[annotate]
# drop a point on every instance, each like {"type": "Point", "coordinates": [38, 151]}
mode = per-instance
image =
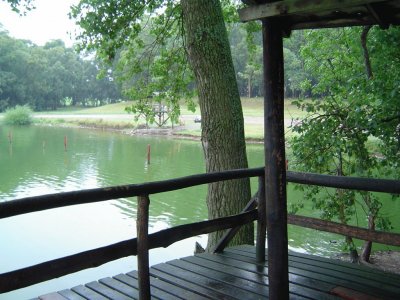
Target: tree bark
{"type": "Point", "coordinates": [221, 112]}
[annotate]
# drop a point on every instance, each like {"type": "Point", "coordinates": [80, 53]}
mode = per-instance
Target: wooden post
{"type": "Point", "coordinates": [148, 153]}
{"type": "Point", "coordinates": [143, 247]}
{"type": "Point", "coordinates": [65, 143]}
{"type": "Point", "coordinates": [10, 137]}
{"type": "Point", "coordinates": [261, 221]}
{"type": "Point", "coordinates": [275, 169]}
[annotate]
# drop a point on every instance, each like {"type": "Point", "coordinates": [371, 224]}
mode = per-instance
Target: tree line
{"type": "Point", "coordinates": [50, 76]}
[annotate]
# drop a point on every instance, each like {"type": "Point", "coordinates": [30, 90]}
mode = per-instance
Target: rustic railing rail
{"type": "Point", "coordinates": [51, 269]}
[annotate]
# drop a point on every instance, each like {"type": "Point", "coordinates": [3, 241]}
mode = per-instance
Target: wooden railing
{"type": "Point", "coordinates": [254, 210]}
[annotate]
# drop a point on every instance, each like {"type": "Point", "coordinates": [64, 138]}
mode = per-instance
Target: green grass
{"type": "Point", "coordinates": [115, 108]}
{"type": "Point", "coordinates": [252, 107]}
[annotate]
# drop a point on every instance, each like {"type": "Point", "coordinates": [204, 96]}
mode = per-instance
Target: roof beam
{"type": "Point", "coordinates": [376, 16]}
{"type": "Point", "coordinates": [291, 7]}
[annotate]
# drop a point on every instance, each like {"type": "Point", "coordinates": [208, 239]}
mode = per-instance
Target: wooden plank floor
{"type": "Point", "coordinates": [234, 274]}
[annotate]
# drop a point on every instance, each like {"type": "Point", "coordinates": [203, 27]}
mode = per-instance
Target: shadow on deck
{"type": "Point", "coordinates": [235, 274]}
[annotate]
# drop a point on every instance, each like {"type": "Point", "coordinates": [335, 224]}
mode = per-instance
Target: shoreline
{"type": "Point", "coordinates": [176, 132]}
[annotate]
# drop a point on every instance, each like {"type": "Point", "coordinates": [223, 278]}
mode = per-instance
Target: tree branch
{"type": "Point", "coordinates": [367, 60]}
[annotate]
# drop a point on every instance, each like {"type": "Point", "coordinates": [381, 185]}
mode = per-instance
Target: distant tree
{"type": "Point", "coordinates": [43, 76]}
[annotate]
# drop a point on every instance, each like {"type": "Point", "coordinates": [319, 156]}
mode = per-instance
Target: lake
{"type": "Point", "coordinates": [36, 162]}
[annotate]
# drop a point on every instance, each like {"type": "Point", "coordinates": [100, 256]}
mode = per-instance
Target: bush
{"type": "Point", "coordinates": [19, 115]}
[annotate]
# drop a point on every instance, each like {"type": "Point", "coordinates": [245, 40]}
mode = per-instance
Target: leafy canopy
{"type": "Point", "coordinates": [353, 122]}
{"type": "Point", "coordinates": [145, 39]}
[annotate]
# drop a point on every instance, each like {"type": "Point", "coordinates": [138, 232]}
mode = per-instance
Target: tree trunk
{"type": "Point", "coordinates": [366, 252]}
{"type": "Point", "coordinates": [342, 216]}
{"type": "Point", "coordinates": [222, 133]}
{"type": "Point", "coordinates": [372, 214]}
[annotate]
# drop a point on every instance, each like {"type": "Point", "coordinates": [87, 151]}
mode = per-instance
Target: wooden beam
{"type": "Point", "coordinates": [292, 7]}
{"type": "Point", "coordinates": [344, 182]}
{"type": "Point", "coordinates": [275, 162]}
{"type": "Point", "coordinates": [230, 233]}
{"type": "Point", "coordinates": [375, 15]}
{"type": "Point", "coordinates": [381, 237]}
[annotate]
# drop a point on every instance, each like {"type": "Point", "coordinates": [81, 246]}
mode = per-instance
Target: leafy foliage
{"type": "Point", "coordinates": [19, 115]}
{"type": "Point", "coordinates": [43, 77]}
{"type": "Point", "coordinates": [21, 6]}
{"type": "Point", "coordinates": [146, 41]}
{"type": "Point", "coordinates": [348, 111]}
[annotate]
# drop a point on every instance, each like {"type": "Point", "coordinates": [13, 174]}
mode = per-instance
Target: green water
{"type": "Point", "coordinates": [36, 162]}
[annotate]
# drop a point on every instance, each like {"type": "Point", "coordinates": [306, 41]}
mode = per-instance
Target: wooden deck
{"type": "Point", "coordinates": [234, 274]}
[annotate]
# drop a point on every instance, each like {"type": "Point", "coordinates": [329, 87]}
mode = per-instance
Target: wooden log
{"type": "Point", "coordinates": [93, 258]}
{"type": "Point", "coordinates": [275, 169]}
{"type": "Point", "coordinates": [381, 237]}
{"type": "Point", "coordinates": [143, 247]}
{"type": "Point", "coordinates": [161, 239]}
{"type": "Point", "coordinates": [39, 203]}
{"type": "Point", "coordinates": [261, 221]}
{"type": "Point", "coordinates": [344, 182]}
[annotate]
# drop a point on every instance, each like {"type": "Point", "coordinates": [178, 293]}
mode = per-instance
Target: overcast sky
{"type": "Point", "coordinates": [48, 21]}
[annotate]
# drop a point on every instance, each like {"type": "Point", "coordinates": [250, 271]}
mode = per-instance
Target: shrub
{"type": "Point", "coordinates": [19, 115]}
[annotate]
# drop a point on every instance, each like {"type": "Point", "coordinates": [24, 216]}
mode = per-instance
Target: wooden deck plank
{"type": "Point", "coordinates": [336, 278]}
{"type": "Point", "coordinates": [121, 287]}
{"type": "Point", "coordinates": [359, 271]}
{"type": "Point", "coordinates": [233, 283]}
{"type": "Point", "coordinates": [87, 293]}
{"type": "Point", "coordinates": [299, 287]}
{"type": "Point", "coordinates": [219, 289]}
{"type": "Point", "coordinates": [71, 295]}
{"type": "Point", "coordinates": [132, 279]}
{"type": "Point", "coordinates": [245, 280]}
{"type": "Point", "coordinates": [52, 296]}
{"type": "Point", "coordinates": [106, 291]}
{"type": "Point", "coordinates": [376, 285]}
{"type": "Point", "coordinates": [356, 269]}
{"type": "Point", "coordinates": [173, 291]}
{"type": "Point", "coordinates": [189, 286]}
{"type": "Point", "coordinates": [353, 272]}
{"type": "Point", "coordinates": [299, 277]}
{"type": "Point", "coordinates": [235, 274]}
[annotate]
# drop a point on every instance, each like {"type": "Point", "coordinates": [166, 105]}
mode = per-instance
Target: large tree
{"type": "Point", "coordinates": [155, 63]}
{"type": "Point", "coordinates": [221, 112]}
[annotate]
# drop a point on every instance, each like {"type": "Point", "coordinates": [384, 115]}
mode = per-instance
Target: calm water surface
{"type": "Point", "coordinates": [35, 163]}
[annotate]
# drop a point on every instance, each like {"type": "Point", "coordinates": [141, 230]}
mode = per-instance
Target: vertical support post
{"type": "Point", "coordinates": [275, 169]}
{"type": "Point", "coordinates": [148, 154]}
{"type": "Point", "coordinates": [262, 221]}
{"type": "Point", "coordinates": [143, 247]}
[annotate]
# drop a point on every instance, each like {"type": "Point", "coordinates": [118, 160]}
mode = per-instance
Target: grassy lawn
{"type": "Point", "coordinates": [252, 108]}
